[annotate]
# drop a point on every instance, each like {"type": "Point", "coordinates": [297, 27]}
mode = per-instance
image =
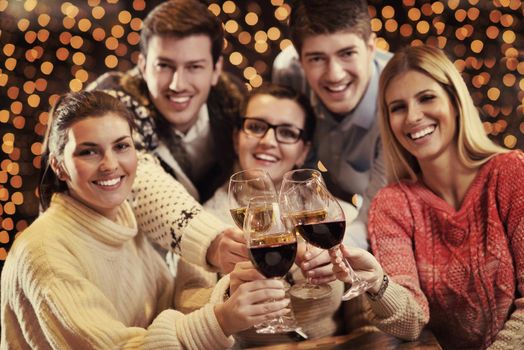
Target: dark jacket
{"type": "Point", "coordinates": [223, 103]}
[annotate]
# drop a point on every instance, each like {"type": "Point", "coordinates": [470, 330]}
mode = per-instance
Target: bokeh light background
{"type": "Point", "coordinates": [48, 47]}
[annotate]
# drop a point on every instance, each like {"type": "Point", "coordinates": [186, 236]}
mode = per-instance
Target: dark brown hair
{"type": "Point", "coordinates": [180, 19]}
{"type": "Point", "coordinates": [316, 17]}
{"type": "Point", "coordinates": [283, 91]}
{"type": "Point", "coordinates": [68, 110]}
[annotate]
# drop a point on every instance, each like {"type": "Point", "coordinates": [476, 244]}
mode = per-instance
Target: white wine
{"type": "Point", "coordinates": [238, 215]}
{"type": "Point", "coordinates": [307, 216]}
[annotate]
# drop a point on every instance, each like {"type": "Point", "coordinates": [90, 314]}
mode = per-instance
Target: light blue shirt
{"type": "Point", "coordinates": [350, 147]}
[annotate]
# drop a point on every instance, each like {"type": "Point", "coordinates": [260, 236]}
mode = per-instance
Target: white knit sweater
{"type": "Point", "coordinates": [75, 279]}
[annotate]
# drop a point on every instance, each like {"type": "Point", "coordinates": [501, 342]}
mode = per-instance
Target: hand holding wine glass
{"type": "Point", "coordinates": [244, 185]}
{"type": "Point", "coordinates": [272, 249]}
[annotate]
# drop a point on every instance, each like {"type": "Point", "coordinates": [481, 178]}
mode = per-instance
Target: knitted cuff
{"type": "Point", "coordinates": [197, 237]}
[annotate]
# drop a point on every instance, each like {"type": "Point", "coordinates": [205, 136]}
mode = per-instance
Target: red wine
{"type": "Point", "coordinates": [274, 256]}
{"type": "Point", "coordinates": [324, 235]}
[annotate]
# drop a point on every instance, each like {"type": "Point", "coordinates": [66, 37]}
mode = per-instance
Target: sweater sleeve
{"type": "Point", "coordinates": [169, 216]}
{"type": "Point", "coordinates": [510, 193]}
{"type": "Point", "coordinates": [193, 286]}
{"type": "Point", "coordinates": [404, 310]}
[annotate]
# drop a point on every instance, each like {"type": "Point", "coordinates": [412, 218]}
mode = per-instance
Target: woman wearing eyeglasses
{"type": "Point", "coordinates": [274, 134]}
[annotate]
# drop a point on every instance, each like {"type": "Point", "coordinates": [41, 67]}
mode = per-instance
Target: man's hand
{"type": "Point", "coordinates": [228, 248]}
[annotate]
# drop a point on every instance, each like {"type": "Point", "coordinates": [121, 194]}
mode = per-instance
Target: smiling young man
{"type": "Point", "coordinates": [185, 108]}
{"type": "Point", "coordinates": [334, 60]}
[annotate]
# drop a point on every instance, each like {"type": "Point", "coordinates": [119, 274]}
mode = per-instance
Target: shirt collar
{"type": "Point", "coordinates": [201, 127]}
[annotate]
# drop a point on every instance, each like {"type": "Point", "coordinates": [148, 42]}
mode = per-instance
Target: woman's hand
{"type": "Point", "coordinates": [363, 263]}
{"type": "Point", "coordinates": [254, 299]}
{"type": "Point", "coordinates": [316, 264]}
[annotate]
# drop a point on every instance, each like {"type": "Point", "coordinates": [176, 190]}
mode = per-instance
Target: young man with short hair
{"type": "Point", "coordinates": [185, 108]}
{"type": "Point", "coordinates": [335, 61]}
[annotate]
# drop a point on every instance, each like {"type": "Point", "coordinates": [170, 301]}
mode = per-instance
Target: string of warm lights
{"type": "Point", "coordinates": [48, 47]}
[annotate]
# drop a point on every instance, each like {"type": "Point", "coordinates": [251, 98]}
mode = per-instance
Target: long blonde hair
{"type": "Point", "coordinates": [474, 146]}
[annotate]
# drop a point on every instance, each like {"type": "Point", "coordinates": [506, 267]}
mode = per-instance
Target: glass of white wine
{"type": "Point", "coordinates": [243, 186]}
{"type": "Point", "coordinates": [272, 250]}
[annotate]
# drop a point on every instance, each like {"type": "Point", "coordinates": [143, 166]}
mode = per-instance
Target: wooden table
{"type": "Point", "coordinates": [361, 341]}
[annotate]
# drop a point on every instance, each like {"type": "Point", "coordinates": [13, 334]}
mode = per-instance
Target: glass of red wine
{"type": "Point", "coordinates": [318, 218]}
{"type": "Point", "coordinates": [272, 249]}
{"type": "Point", "coordinates": [244, 185]}
{"type": "Point", "coordinates": [299, 207]}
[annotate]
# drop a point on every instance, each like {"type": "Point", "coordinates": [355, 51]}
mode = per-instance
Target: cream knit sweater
{"type": "Point", "coordinates": [75, 279]}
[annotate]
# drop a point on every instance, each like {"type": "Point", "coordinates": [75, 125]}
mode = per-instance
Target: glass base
{"type": "Point", "coordinates": [283, 324]}
{"type": "Point", "coordinates": [355, 290]}
{"type": "Point", "coordinates": [310, 291]}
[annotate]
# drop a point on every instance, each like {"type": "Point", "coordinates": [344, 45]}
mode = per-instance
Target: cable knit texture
{"type": "Point", "coordinates": [464, 268]}
{"type": "Point", "coordinates": [75, 279]}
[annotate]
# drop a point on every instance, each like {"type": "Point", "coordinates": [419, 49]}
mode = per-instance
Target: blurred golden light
{"type": "Point", "coordinates": [285, 43]}
{"type": "Point", "coordinates": [249, 73]}
{"type": "Point", "coordinates": [4, 236]}
{"type": "Point", "coordinates": [68, 22]}
{"type": "Point", "coordinates": [124, 17]}
{"type": "Point", "coordinates": [13, 168]}
{"type": "Point", "coordinates": [133, 38]}
{"type": "Point", "coordinates": [7, 224]}
{"type": "Point", "coordinates": [473, 13]}
{"type": "Point", "coordinates": [43, 19]}
{"type": "Point", "coordinates": [494, 16]}
{"type": "Point", "coordinates": [376, 24]}
{"type": "Point", "coordinates": [244, 38]}
{"type": "Point", "coordinates": [29, 87]}
{"type": "Point", "coordinates": [388, 11]}
{"type": "Point", "coordinates": [492, 32]}
{"type": "Point", "coordinates": [215, 8]}
{"type": "Point", "coordinates": [251, 18]}
{"type": "Point", "coordinates": [460, 15]}
{"type": "Point", "coordinates": [9, 49]}
{"type": "Point", "coordinates": [98, 12]}
{"type": "Point", "coordinates": [139, 5]}
{"type": "Point", "coordinates": [3, 79]}
{"type": "Point", "coordinates": [65, 38]}
{"type": "Point", "coordinates": [511, 52]}
{"type": "Point", "coordinates": [43, 35]}
{"type": "Point", "coordinates": [391, 25]}
{"type": "Point", "coordinates": [46, 67]}
{"type": "Point", "coordinates": [281, 13]}
{"type": "Point", "coordinates": [235, 58]}
{"type": "Point", "coordinates": [33, 100]}
{"type": "Point", "coordinates": [16, 107]}
{"type": "Point", "coordinates": [99, 34]}
{"type": "Point", "coordinates": [12, 92]}
{"type": "Point", "coordinates": [136, 24]}
{"type": "Point", "coordinates": [453, 4]}
{"type": "Point", "coordinates": [273, 33]}
{"type": "Point", "coordinates": [423, 27]}
{"type": "Point", "coordinates": [382, 44]}
{"type": "Point", "coordinates": [477, 46]}
{"type": "Point", "coordinates": [508, 36]}
{"type": "Point", "coordinates": [277, 2]}
{"type": "Point", "coordinates": [84, 24]}
{"type": "Point", "coordinates": [76, 42]}
{"type": "Point", "coordinates": [111, 61]}
{"type": "Point", "coordinates": [510, 141]}
{"type": "Point", "coordinates": [62, 54]}
{"type": "Point", "coordinates": [117, 31]}
{"type": "Point", "coordinates": [75, 85]}
{"type": "Point", "coordinates": [260, 36]}
{"type": "Point", "coordinates": [229, 7]}
{"type": "Point", "coordinates": [520, 67]}
{"type": "Point", "coordinates": [17, 198]}
{"type": "Point", "coordinates": [414, 14]}
{"type": "Point", "coordinates": [30, 37]}
{"type": "Point", "coordinates": [231, 26]}
{"type": "Point", "coordinates": [9, 208]}
{"type": "Point", "coordinates": [19, 123]}
{"type": "Point", "coordinates": [437, 7]}
{"type": "Point", "coordinates": [493, 93]}
{"type": "Point", "coordinates": [256, 81]}
{"type": "Point", "coordinates": [111, 43]}
{"type": "Point", "coordinates": [79, 58]}
{"type": "Point", "coordinates": [23, 24]}
{"type": "Point", "coordinates": [4, 116]}
{"type": "Point", "coordinates": [261, 46]}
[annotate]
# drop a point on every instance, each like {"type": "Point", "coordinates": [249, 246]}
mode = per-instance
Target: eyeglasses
{"type": "Point", "coordinates": [287, 134]}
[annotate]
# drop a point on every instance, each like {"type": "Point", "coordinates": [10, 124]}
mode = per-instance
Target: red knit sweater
{"type": "Point", "coordinates": [464, 267]}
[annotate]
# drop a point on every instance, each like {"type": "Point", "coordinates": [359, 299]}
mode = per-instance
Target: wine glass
{"type": "Point", "coordinates": [244, 185]}
{"type": "Point", "coordinates": [272, 250]}
{"type": "Point", "coordinates": [327, 230]}
{"type": "Point", "coordinates": [300, 206]}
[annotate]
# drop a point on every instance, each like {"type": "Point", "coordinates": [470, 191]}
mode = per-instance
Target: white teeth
{"type": "Point", "coordinates": [337, 88]}
{"type": "Point", "coordinates": [179, 99]}
{"type": "Point", "coordinates": [266, 157]}
{"type": "Point", "coordinates": [108, 182]}
{"type": "Point", "coordinates": [422, 132]}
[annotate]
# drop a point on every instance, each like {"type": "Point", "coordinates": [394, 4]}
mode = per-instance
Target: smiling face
{"type": "Point", "coordinates": [266, 153]}
{"type": "Point", "coordinates": [338, 68]}
{"type": "Point", "coordinates": [421, 116]}
{"type": "Point", "coordinates": [179, 73]}
{"type": "Point", "coordinates": [99, 163]}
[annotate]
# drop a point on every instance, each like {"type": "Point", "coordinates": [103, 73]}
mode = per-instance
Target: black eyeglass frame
{"type": "Point", "coordinates": [271, 126]}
